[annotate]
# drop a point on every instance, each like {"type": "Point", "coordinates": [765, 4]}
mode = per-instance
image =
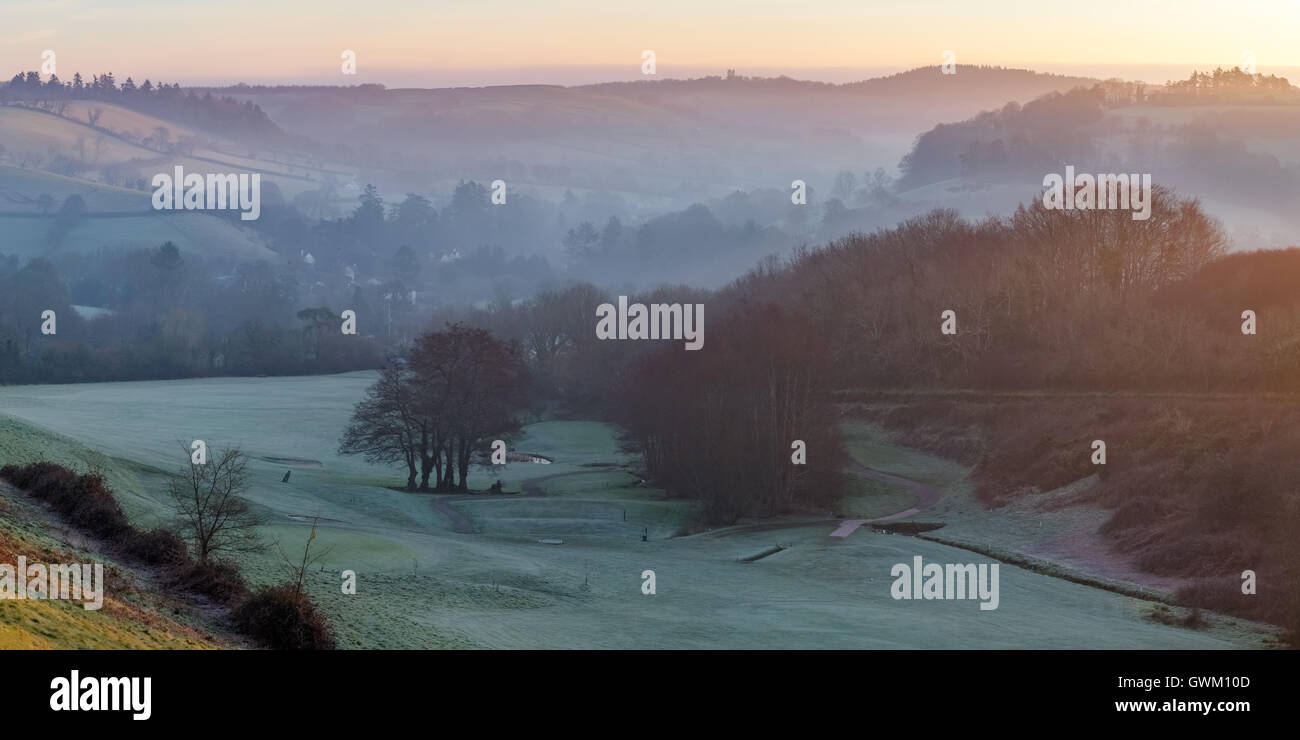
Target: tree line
{"type": "Point", "coordinates": [164, 313]}
{"type": "Point", "coordinates": [718, 427]}
{"type": "Point", "coordinates": [1043, 299]}
{"type": "Point", "coordinates": [747, 426]}
{"type": "Point", "coordinates": [164, 100]}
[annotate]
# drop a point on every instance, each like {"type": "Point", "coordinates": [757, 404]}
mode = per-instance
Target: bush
{"type": "Point", "coordinates": [81, 499]}
{"type": "Point", "coordinates": [283, 619]}
{"type": "Point", "coordinates": [215, 579]}
{"type": "Point", "coordinates": [92, 507]}
{"type": "Point", "coordinates": [158, 546]}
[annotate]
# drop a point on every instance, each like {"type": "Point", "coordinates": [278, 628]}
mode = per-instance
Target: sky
{"type": "Point", "coordinates": [434, 43]}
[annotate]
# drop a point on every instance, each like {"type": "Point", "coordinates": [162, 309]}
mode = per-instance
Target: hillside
{"type": "Point", "coordinates": [645, 137]}
{"type": "Point", "coordinates": [46, 158]}
{"type": "Point", "coordinates": [21, 188]}
{"type": "Point", "coordinates": [137, 613]}
{"type": "Point", "coordinates": [125, 147]}
{"type": "Point", "coordinates": [1236, 153]}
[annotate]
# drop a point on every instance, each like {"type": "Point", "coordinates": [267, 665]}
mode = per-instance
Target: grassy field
{"type": "Point", "coordinates": [35, 131]}
{"type": "Point", "coordinates": [33, 138]}
{"type": "Point", "coordinates": [423, 584]}
{"type": "Point", "coordinates": [104, 226]}
{"type": "Point", "coordinates": [192, 233]}
{"type": "Point", "coordinates": [19, 188]}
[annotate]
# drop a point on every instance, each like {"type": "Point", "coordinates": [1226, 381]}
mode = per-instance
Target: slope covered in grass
{"type": "Point", "coordinates": [1194, 490]}
{"type": "Point", "coordinates": [136, 613]}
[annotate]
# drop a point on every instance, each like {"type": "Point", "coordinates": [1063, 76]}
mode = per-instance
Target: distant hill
{"type": "Point", "coordinates": [115, 218]}
{"type": "Point", "coordinates": [126, 148]}
{"type": "Point", "coordinates": [652, 137]}
{"type": "Point", "coordinates": [48, 155]}
{"type": "Point", "coordinates": [915, 100]}
{"type": "Point", "coordinates": [1227, 137]}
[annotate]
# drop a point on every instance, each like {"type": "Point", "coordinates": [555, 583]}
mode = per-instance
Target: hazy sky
{"type": "Point", "coordinates": [441, 42]}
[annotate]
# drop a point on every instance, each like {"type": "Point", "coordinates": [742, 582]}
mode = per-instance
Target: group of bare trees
{"type": "Point", "coordinates": [437, 408]}
{"type": "Point", "coordinates": [746, 427]}
{"type": "Point", "coordinates": [1044, 298]}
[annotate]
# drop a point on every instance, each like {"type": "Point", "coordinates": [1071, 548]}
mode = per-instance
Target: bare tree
{"type": "Point", "coordinates": [213, 515]}
{"type": "Point", "coordinates": [386, 427]}
{"type": "Point", "coordinates": [299, 569]}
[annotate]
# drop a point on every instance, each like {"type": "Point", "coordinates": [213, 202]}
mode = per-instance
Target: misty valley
{"type": "Point", "coordinates": [353, 362]}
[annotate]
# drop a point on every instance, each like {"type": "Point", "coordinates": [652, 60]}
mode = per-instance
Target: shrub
{"type": "Point", "coordinates": [158, 546]}
{"type": "Point", "coordinates": [92, 507]}
{"type": "Point", "coordinates": [81, 499]}
{"type": "Point", "coordinates": [283, 619]}
{"type": "Point", "coordinates": [215, 579]}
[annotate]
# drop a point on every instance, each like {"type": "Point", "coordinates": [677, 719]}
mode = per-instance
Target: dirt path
{"type": "Point", "coordinates": [926, 496]}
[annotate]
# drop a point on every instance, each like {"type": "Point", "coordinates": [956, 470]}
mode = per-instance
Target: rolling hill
{"type": "Point", "coordinates": [647, 137]}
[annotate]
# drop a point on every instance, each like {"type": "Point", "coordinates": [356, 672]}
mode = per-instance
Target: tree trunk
{"type": "Point", "coordinates": [448, 471]}
{"type": "Point", "coordinates": [425, 464]}
{"type": "Point", "coordinates": [463, 464]}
